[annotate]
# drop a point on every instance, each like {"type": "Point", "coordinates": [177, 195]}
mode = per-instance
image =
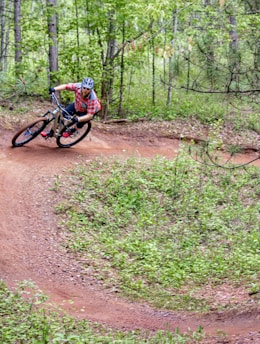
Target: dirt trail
{"type": "Point", "coordinates": [29, 246]}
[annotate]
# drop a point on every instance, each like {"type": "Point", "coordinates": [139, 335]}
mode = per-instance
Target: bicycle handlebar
{"type": "Point", "coordinates": [54, 99]}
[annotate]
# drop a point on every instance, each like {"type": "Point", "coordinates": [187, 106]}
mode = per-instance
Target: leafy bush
{"type": "Point", "coordinates": [205, 108]}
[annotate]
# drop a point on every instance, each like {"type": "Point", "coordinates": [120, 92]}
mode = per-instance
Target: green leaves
{"type": "Point", "coordinates": [159, 225]}
{"type": "Point", "coordinates": [23, 321]}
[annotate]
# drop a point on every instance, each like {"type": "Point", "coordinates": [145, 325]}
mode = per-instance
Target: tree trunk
{"type": "Point", "coordinates": [53, 45]}
{"type": "Point", "coordinates": [233, 52]}
{"type": "Point", "coordinates": [17, 37]}
{"type": "Point", "coordinates": [153, 72]}
{"type": "Point", "coordinates": [233, 34]}
{"type": "Point", "coordinates": [121, 90]}
{"type": "Point", "coordinates": [252, 7]}
{"type": "Point", "coordinates": [77, 35]}
{"type": "Point", "coordinates": [209, 54]}
{"type": "Point", "coordinates": [108, 68]}
{"type": "Point", "coordinates": [2, 42]}
{"type": "Point", "coordinates": [171, 59]}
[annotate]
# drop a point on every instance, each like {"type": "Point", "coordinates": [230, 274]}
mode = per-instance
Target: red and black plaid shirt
{"type": "Point", "coordinates": [90, 105]}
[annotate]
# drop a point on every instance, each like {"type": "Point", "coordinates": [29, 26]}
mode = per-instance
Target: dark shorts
{"type": "Point", "coordinates": [72, 111]}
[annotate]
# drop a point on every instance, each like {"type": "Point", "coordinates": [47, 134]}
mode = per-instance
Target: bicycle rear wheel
{"type": "Point", "coordinates": [78, 135]}
{"type": "Point", "coordinates": [29, 132]}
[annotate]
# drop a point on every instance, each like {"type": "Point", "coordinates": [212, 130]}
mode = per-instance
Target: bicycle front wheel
{"type": "Point", "coordinates": [76, 135]}
{"type": "Point", "coordinates": [29, 132]}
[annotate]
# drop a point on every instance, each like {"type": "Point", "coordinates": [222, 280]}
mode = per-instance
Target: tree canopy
{"type": "Point", "coordinates": [204, 46]}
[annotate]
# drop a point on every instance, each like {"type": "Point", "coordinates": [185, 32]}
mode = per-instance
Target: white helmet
{"type": "Point", "coordinates": [88, 83]}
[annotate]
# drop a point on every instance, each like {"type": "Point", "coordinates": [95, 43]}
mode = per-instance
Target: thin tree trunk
{"type": "Point", "coordinates": [108, 69]}
{"type": "Point", "coordinates": [233, 34]}
{"type": "Point", "coordinates": [121, 75]}
{"type": "Point", "coordinates": [233, 52]}
{"type": "Point", "coordinates": [53, 45]}
{"type": "Point", "coordinates": [77, 35]}
{"type": "Point", "coordinates": [209, 54]}
{"type": "Point", "coordinates": [153, 73]}
{"type": "Point", "coordinates": [131, 72]}
{"type": "Point", "coordinates": [7, 37]}
{"type": "Point", "coordinates": [2, 42]}
{"type": "Point", "coordinates": [17, 36]}
{"type": "Point", "coordinates": [171, 59]}
{"type": "Point", "coordinates": [188, 73]}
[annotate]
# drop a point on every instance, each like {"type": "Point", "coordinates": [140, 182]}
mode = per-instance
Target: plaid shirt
{"type": "Point", "coordinates": [90, 106]}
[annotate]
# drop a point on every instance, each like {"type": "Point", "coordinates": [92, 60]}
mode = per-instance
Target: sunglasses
{"type": "Point", "coordinates": [85, 88]}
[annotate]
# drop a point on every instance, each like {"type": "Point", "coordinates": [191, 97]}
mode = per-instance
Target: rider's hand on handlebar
{"type": "Point", "coordinates": [70, 121]}
{"type": "Point", "coordinates": [51, 90]}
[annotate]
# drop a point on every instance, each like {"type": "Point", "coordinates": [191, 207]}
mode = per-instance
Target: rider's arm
{"type": "Point", "coordinates": [85, 118]}
{"type": "Point", "coordinates": [60, 87]}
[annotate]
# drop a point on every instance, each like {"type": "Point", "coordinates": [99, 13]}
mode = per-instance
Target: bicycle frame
{"type": "Point", "coordinates": [58, 121]}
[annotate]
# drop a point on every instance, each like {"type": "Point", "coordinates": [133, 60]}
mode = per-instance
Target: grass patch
{"type": "Point", "coordinates": [151, 227]}
{"type": "Point", "coordinates": [24, 318]}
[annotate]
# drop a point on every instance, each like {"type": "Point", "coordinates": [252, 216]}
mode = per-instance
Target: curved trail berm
{"type": "Point", "coordinates": [30, 236]}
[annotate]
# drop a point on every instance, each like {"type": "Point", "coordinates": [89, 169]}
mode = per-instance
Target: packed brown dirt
{"type": "Point", "coordinates": [30, 235]}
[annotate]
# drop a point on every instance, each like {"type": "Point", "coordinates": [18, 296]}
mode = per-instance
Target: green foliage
{"type": "Point", "coordinates": [16, 89]}
{"type": "Point", "coordinates": [249, 121]}
{"type": "Point", "coordinates": [196, 50]}
{"type": "Point", "coordinates": [207, 109]}
{"type": "Point", "coordinates": [149, 228]}
{"type": "Point", "coordinates": [26, 320]}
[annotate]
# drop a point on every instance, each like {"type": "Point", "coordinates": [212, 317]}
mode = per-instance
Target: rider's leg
{"type": "Point", "coordinates": [72, 129]}
{"type": "Point", "coordinates": [79, 125]}
{"type": "Point", "coordinates": [70, 109]}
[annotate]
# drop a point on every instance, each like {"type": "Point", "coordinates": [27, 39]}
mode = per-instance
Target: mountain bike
{"type": "Point", "coordinates": [58, 122]}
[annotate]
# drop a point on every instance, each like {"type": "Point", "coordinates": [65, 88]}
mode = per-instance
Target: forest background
{"type": "Point", "coordinates": [158, 60]}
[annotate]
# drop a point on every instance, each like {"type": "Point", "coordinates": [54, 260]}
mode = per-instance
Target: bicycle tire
{"type": "Point", "coordinates": [28, 132]}
{"type": "Point", "coordinates": [67, 142]}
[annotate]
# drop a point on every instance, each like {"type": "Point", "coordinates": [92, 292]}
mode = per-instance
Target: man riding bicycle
{"type": "Point", "coordinates": [85, 106]}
